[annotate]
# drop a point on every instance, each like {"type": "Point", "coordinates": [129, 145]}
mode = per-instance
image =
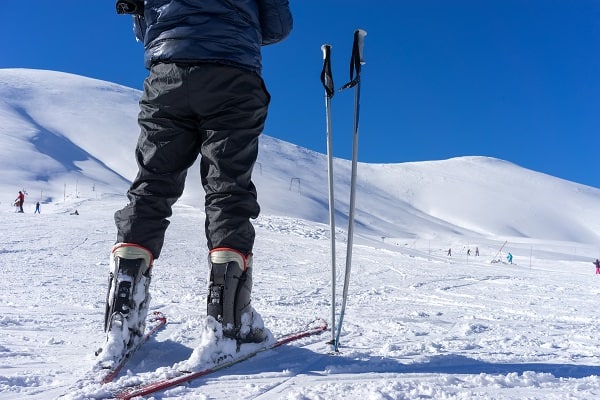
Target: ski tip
{"type": "Point", "coordinates": [157, 316]}
{"type": "Point", "coordinates": [319, 324]}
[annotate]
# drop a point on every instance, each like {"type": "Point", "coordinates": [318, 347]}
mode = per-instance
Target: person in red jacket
{"type": "Point", "coordinates": [19, 201]}
{"type": "Point", "coordinates": [597, 264]}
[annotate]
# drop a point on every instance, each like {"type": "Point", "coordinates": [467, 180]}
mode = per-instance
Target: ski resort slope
{"type": "Point", "coordinates": [419, 324]}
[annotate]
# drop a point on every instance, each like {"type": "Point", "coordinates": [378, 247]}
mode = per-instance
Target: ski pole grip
{"type": "Point", "coordinates": [356, 60]}
{"type": "Point", "coordinates": [359, 37]}
{"type": "Point", "coordinates": [326, 49]}
{"type": "Point", "coordinates": [326, 76]}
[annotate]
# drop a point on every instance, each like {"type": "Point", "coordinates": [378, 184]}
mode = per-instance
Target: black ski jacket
{"type": "Point", "coordinates": [221, 31]}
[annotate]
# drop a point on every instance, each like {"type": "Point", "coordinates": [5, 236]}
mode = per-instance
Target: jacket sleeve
{"type": "Point", "coordinates": [275, 20]}
{"type": "Point", "coordinates": [139, 27]}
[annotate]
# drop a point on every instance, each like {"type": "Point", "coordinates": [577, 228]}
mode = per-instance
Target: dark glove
{"type": "Point", "coordinates": [135, 7]}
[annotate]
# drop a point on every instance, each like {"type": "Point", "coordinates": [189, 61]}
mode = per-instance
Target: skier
{"type": "Point", "coordinates": [597, 264]}
{"type": "Point", "coordinates": [509, 258]}
{"type": "Point", "coordinates": [37, 208]}
{"type": "Point", "coordinates": [449, 252]}
{"type": "Point", "coordinates": [204, 96]}
{"type": "Point", "coordinates": [19, 201]}
{"type": "Point", "coordinates": [476, 251]}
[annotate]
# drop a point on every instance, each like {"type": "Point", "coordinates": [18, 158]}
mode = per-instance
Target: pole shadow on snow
{"type": "Point", "coordinates": [459, 365]}
{"type": "Point", "coordinates": [293, 361]}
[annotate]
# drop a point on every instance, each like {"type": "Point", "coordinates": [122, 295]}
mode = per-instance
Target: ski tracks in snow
{"type": "Point", "coordinates": [415, 327]}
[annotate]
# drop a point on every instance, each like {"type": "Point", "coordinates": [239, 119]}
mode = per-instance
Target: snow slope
{"type": "Point", "coordinates": [419, 324]}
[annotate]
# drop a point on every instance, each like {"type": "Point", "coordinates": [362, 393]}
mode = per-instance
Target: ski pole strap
{"type": "Point", "coordinates": [326, 76]}
{"type": "Point", "coordinates": [357, 58]}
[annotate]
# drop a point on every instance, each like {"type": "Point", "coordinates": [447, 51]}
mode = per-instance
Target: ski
{"type": "Point", "coordinates": [144, 389]}
{"type": "Point", "coordinates": [99, 374]}
{"type": "Point", "coordinates": [157, 320]}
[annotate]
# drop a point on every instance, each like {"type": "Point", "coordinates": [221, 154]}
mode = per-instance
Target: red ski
{"type": "Point", "coordinates": [315, 328]}
{"type": "Point", "coordinates": [98, 375]}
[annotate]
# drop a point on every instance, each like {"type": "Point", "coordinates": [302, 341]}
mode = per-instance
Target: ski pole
{"type": "Point", "coordinates": [327, 81]}
{"type": "Point", "coordinates": [356, 61]}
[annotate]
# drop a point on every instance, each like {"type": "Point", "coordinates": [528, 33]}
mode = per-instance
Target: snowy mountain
{"type": "Point", "coordinates": [63, 134]}
{"type": "Point", "coordinates": [419, 324]}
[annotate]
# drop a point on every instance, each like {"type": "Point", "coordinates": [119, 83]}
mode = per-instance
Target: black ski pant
{"type": "Point", "coordinates": [212, 110]}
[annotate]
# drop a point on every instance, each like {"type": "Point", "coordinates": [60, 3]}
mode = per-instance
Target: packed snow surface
{"type": "Point", "coordinates": [419, 324]}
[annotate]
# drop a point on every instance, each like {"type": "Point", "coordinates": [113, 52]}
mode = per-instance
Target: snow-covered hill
{"type": "Point", "coordinates": [419, 324]}
{"type": "Point", "coordinates": [66, 135]}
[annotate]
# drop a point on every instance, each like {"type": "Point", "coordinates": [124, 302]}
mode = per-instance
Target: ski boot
{"type": "Point", "coordinates": [127, 300]}
{"type": "Point", "coordinates": [230, 286]}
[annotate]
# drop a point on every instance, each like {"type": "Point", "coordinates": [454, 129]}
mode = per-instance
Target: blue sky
{"type": "Point", "coordinates": [512, 79]}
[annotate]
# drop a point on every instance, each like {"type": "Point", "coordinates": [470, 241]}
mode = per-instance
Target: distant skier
{"type": "Point", "coordinates": [37, 208]}
{"type": "Point", "coordinates": [19, 201]}
{"type": "Point", "coordinates": [468, 252]}
{"type": "Point", "coordinates": [509, 257]}
{"type": "Point", "coordinates": [476, 251]}
{"type": "Point", "coordinates": [450, 251]}
{"type": "Point", "coordinates": [597, 264]}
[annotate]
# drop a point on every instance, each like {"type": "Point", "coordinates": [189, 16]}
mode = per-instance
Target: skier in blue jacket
{"type": "Point", "coordinates": [204, 97]}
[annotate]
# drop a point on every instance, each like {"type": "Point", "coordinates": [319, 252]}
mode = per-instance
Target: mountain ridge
{"type": "Point", "coordinates": [67, 135]}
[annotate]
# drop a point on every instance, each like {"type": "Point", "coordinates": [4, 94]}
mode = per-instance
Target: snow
{"type": "Point", "coordinates": [418, 324]}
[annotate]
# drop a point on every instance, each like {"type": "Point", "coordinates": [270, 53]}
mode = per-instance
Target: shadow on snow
{"type": "Point", "coordinates": [296, 361]}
